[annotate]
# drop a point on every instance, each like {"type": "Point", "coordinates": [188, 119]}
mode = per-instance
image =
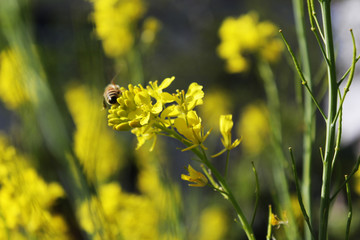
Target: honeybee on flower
{"type": "Point", "coordinates": [111, 93]}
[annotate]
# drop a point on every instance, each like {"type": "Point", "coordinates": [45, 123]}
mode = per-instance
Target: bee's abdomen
{"type": "Point", "coordinates": [112, 98]}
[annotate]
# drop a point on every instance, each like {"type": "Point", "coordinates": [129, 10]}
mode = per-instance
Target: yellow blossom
{"type": "Point", "coordinates": [147, 111]}
{"type": "Point", "coordinates": [136, 107]}
{"type": "Point", "coordinates": [93, 142]}
{"type": "Point", "coordinates": [277, 222]}
{"type": "Point", "coordinates": [26, 200]}
{"type": "Point", "coordinates": [150, 29]}
{"type": "Point", "coordinates": [197, 178]}
{"type": "Point", "coordinates": [246, 35]}
{"type": "Point", "coordinates": [219, 98]}
{"type": "Point", "coordinates": [115, 21]}
{"type": "Point", "coordinates": [213, 224]}
{"type": "Point", "coordinates": [190, 127]}
{"type": "Point", "coordinates": [127, 215]}
{"type": "Point", "coordinates": [11, 89]}
{"type": "Point", "coordinates": [254, 127]}
{"type": "Point", "coordinates": [226, 125]}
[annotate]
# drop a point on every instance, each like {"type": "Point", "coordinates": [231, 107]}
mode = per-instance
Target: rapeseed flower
{"type": "Point", "coordinates": [226, 125]}
{"type": "Point", "coordinates": [12, 91]}
{"type": "Point", "coordinates": [214, 224]}
{"type": "Point", "coordinates": [247, 35]}
{"type": "Point", "coordinates": [128, 216]}
{"type": "Point", "coordinates": [149, 111]}
{"type": "Point", "coordinates": [151, 27]}
{"type": "Point", "coordinates": [219, 98]}
{"type": "Point", "coordinates": [26, 200]}
{"type": "Point", "coordinates": [115, 22]}
{"type": "Point", "coordinates": [254, 127]}
{"type": "Point", "coordinates": [277, 222]}
{"type": "Point", "coordinates": [197, 178]}
{"type": "Point", "coordinates": [93, 142]}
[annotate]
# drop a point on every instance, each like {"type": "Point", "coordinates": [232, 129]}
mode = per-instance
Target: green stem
{"type": "Point", "coordinates": [303, 80]}
{"type": "Point", "coordinates": [309, 120]}
{"type": "Point", "coordinates": [348, 224]}
{"type": "Point", "coordinates": [225, 188]}
{"type": "Point", "coordinates": [227, 162]}
{"type": "Point", "coordinates": [330, 125]}
{"type": "Point", "coordinates": [245, 224]}
{"type": "Point", "coordinates": [300, 198]}
{"type": "Point", "coordinates": [268, 235]}
{"type": "Point", "coordinates": [257, 194]}
{"type": "Point", "coordinates": [281, 182]}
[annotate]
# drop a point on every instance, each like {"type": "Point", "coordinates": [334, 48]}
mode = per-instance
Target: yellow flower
{"type": "Point", "coordinates": [213, 224]}
{"type": "Point", "coordinates": [226, 125]}
{"type": "Point", "coordinates": [136, 107]}
{"type": "Point", "coordinates": [190, 127]}
{"type": "Point", "coordinates": [277, 222]}
{"type": "Point", "coordinates": [11, 89]}
{"type": "Point", "coordinates": [254, 127]}
{"type": "Point", "coordinates": [146, 111]}
{"type": "Point", "coordinates": [197, 178]}
{"type": "Point", "coordinates": [26, 200]}
{"type": "Point", "coordinates": [246, 35]}
{"type": "Point", "coordinates": [131, 216]}
{"type": "Point", "coordinates": [150, 29]}
{"type": "Point", "coordinates": [115, 21]}
{"type": "Point", "coordinates": [219, 98]}
{"type": "Point", "coordinates": [93, 141]}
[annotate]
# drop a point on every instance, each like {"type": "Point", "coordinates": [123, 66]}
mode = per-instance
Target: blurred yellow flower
{"type": "Point", "coordinates": [11, 89]}
{"type": "Point", "coordinates": [93, 141]}
{"type": "Point", "coordinates": [165, 195]}
{"type": "Point", "coordinates": [246, 35]}
{"type": "Point", "coordinates": [254, 127]}
{"type": "Point", "coordinates": [220, 99]}
{"type": "Point", "coordinates": [197, 178]}
{"type": "Point", "coordinates": [115, 22]}
{"type": "Point", "coordinates": [213, 224]}
{"type": "Point", "coordinates": [150, 29]}
{"type": "Point", "coordinates": [26, 200]}
{"type": "Point", "coordinates": [357, 182]}
{"type": "Point", "coordinates": [127, 215]}
{"type": "Point", "coordinates": [277, 222]}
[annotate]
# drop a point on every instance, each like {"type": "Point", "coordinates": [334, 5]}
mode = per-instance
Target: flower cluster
{"type": "Point", "coordinates": [131, 216]}
{"type": "Point", "coordinates": [246, 35]}
{"type": "Point", "coordinates": [98, 158]}
{"type": "Point", "coordinates": [148, 111]}
{"type": "Point", "coordinates": [114, 21]}
{"type": "Point", "coordinates": [26, 200]}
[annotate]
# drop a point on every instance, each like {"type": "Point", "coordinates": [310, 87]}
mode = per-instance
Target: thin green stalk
{"type": "Point", "coordinates": [226, 190]}
{"type": "Point", "coordinates": [354, 170]}
{"type": "Point", "coordinates": [257, 194]}
{"type": "Point", "coordinates": [309, 120]}
{"type": "Point", "coordinates": [351, 76]}
{"type": "Point", "coordinates": [330, 124]}
{"type": "Point", "coordinates": [302, 77]}
{"type": "Point", "coordinates": [313, 14]}
{"type": "Point", "coordinates": [281, 182]}
{"type": "Point", "coordinates": [347, 72]}
{"type": "Point", "coordinates": [268, 235]}
{"type": "Point", "coordinates": [349, 217]}
{"type": "Point", "coordinates": [245, 224]}
{"type": "Point", "coordinates": [227, 162]}
{"type": "Point", "coordinates": [300, 198]}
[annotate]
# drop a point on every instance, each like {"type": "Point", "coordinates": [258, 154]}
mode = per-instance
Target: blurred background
{"type": "Point", "coordinates": [58, 56]}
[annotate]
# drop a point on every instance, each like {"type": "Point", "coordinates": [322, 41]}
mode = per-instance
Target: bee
{"type": "Point", "coordinates": [111, 93]}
